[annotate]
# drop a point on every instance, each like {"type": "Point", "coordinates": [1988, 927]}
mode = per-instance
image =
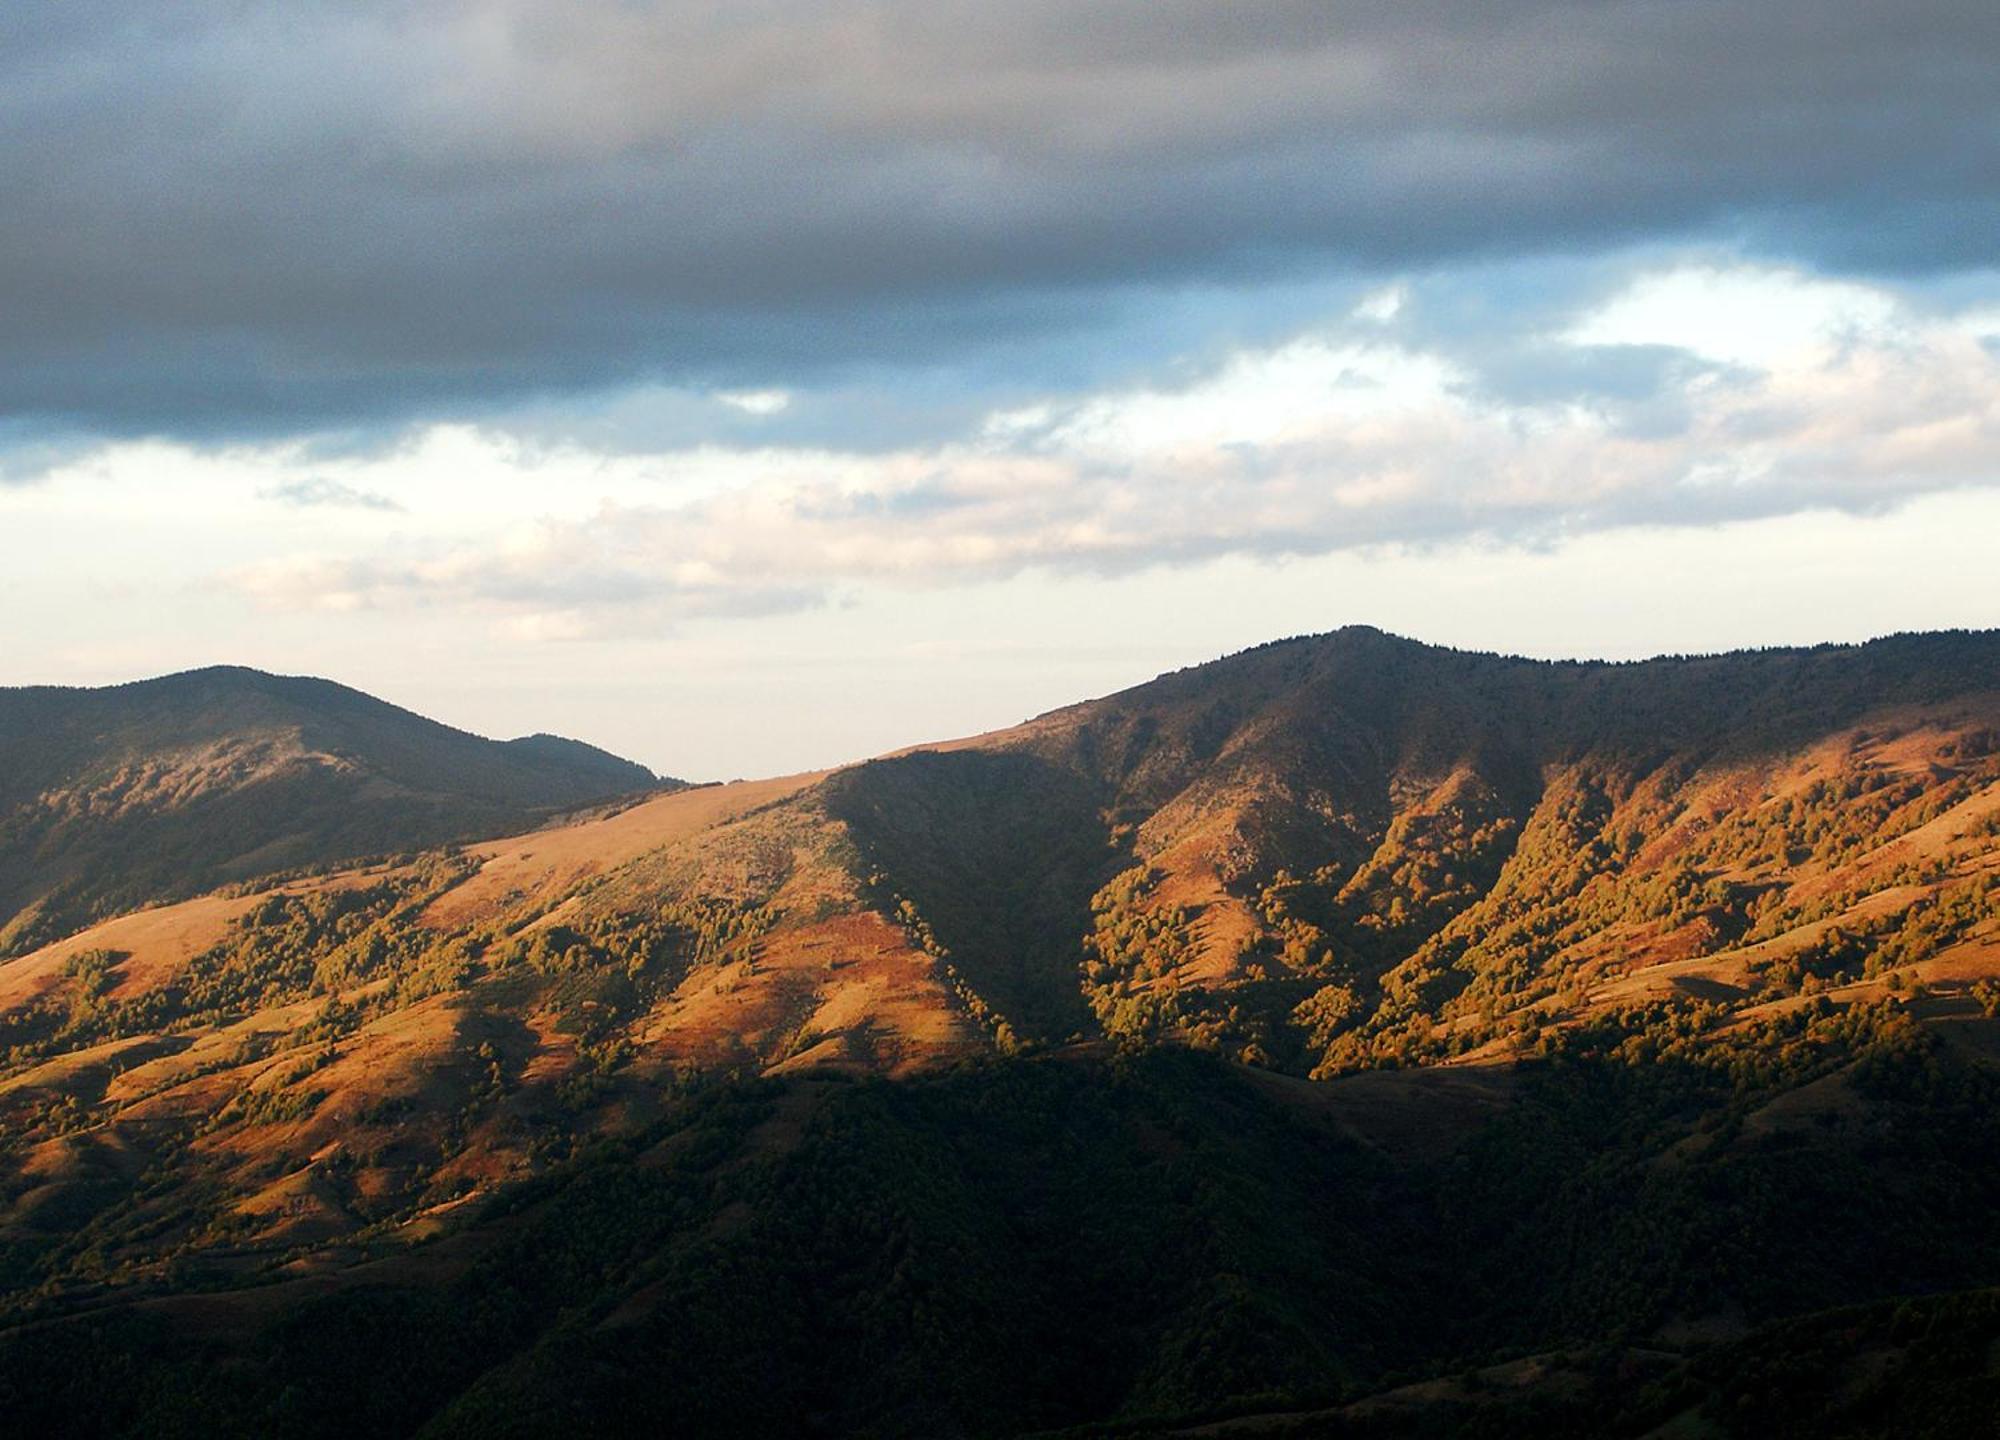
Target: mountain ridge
{"type": "Point", "coordinates": [129, 794]}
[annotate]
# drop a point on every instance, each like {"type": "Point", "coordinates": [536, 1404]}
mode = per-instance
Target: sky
{"type": "Point", "coordinates": [751, 387]}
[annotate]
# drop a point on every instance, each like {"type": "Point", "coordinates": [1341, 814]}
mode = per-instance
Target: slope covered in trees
{"type": "Point", "coordinates": [1354, 850]}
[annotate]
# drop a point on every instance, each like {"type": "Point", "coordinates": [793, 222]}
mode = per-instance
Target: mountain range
{"type": "Point", "coordinates": [1349, 1036]}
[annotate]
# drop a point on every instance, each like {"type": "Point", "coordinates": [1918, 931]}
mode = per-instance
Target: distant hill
{"type": "Point", "coordinates": [115, 797]}
{"type": "Point", "coordinates": [1349, 1037]}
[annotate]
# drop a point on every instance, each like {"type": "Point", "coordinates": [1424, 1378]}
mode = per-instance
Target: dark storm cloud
{"type": "Point", "coordinates": [227, 217]}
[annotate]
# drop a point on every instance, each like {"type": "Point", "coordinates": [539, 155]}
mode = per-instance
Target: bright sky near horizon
{"type": "Point", "coordinates": [751, 388]}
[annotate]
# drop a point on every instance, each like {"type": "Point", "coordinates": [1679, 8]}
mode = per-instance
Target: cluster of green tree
{"type": "Point", "coordinates": [1837, 819]}
{"type": "Point", "coordinates": [1133, 979]}
{"type": "Point", "coordinates": [1885, 941]}
{"type": "Point", "coordinates": [338, 958]}
{"type": "Point", "coordinates": [1449, 963]}
{"type": "Point", "coordinates": [1507, 950]}
{"type": "Point", "coordinates": [1911, 1367]}
{"type": "Point", "coordinates": [358, 950]}
{"type": "Point", "coordinates": [606, 967]}
{"type": "Point", "coordinates": [286, 947]}
{"type": "Point", "coordinates": [1034, 1244]}
{"type": "Point", "coordinates": [1430, 865]}
{"type": "Point", "coordinates": [1133, 958]}
{"type": "Point", "coordinates": [1577, 875]}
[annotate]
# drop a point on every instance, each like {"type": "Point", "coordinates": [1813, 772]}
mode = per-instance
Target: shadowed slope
{"type": "Point", "coordinates": [998, 853]}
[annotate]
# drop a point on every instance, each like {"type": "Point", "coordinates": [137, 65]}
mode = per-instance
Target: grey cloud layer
{"type": "Point", "coordinates": [293, 215]}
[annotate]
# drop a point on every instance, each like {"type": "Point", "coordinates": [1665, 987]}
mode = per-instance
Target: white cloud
{"type": "Point", "coordinates": [1265, 399]}
{"type": "Point", "coordinates": [1379, 307]}
{"type": "Point", "coordinates": [1738, 315]}
{"type": "Point", "coordinates": [756, 402]}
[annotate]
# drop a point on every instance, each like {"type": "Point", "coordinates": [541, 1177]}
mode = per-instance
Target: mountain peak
{"type": "Point", "coordinates": [122, 794]}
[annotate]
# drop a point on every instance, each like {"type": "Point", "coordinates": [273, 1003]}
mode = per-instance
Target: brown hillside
{"type": "Point", "coordinates": [1324, 856]}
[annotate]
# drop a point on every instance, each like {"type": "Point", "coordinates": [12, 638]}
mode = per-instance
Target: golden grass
{"type": "Point", "coordinates": [159, 942]}
{"type": "Point", "coordinates": [545, 864]}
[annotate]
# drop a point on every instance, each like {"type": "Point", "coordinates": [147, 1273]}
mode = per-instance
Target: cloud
{"type": "Point", "coordinates": [1355, 437]}
{"type": "Point", "coordinates": [301, 215]}
{"type": "Point", "coordinates": [315, 492]}
{"type": "Point", "coordinates": [1737, 316]}
{"type": "Point", "coordinates": [756, 402]}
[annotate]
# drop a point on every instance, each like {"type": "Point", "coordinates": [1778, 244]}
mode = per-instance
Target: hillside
{"type": "Point", "coordinates": [117, 797]}
{"type": "Point", "coordinates": [1573, 1038]}
{"type": "Point", "coordinates": [1355, 850]}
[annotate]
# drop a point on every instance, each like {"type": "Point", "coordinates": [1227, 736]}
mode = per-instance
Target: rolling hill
{"type": "Point", "coordinates": [116, 797]}
{"type": "Point", "coordinates": [1350, 1036]}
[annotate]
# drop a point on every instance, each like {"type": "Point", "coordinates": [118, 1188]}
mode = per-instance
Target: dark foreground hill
{"type": "Point", "coordinates": [1349, 1037]}
{"type": "Point", "coordinates": [116, 797]}
{"type": "Point", "coordinates": [1138, 1246]}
